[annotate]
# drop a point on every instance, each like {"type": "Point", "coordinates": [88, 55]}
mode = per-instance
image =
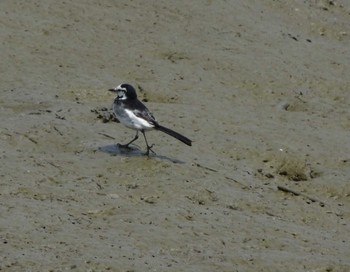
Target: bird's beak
{"type": "Point", "coordinates": [112, 90]}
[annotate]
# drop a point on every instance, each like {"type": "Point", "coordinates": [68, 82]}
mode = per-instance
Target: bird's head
{"type": "Point", "coordinates": [124, 91]}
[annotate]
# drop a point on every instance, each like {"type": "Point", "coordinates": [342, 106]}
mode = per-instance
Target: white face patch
{"type": "Point", "coordinates": [121, 95]}
{"type": "Point", "coordinates": [121, 92]}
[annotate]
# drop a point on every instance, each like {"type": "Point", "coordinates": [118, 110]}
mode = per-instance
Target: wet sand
{"type": "Point", "coordinates": [262, 89]}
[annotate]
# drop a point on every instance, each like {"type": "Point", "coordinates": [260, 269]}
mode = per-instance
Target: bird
{"type": "Point", "coordinates": [132, 113]}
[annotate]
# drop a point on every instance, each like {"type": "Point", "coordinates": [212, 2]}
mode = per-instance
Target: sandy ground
{"type": "Point", "coordinates": [262, 88]}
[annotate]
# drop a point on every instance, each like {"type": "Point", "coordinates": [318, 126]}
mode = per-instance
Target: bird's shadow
{"type": "Point", "coordinates": [132, 151]}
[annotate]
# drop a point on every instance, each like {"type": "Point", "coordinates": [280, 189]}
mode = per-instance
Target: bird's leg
{"type": "Point", "coordinates": [149, 148]}
{"type": "Point", "coordinates": [133, 140]}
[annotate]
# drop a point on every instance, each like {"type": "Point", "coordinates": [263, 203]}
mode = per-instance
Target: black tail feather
{"type": "Point", "coordinates": [176, 135]}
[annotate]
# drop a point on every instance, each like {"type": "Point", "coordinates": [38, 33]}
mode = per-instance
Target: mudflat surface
{"type": "Point", "coordinates": [262, 88]}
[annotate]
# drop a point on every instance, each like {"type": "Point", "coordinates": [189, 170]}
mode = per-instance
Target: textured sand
{"type": "Point", "coordinates": [262, 88]}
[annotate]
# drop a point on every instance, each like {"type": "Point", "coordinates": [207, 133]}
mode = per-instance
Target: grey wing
{"type": "Point", "coordinates": [144, 113]}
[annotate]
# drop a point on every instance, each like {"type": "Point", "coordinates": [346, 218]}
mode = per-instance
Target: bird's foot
{"type": "Point", "coordinates": [149, 148]}
{"type": "Point", "coordinates": [125, 146]}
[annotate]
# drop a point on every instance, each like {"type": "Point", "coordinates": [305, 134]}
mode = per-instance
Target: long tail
{"type": "Point", "coordinates": [174, 134]}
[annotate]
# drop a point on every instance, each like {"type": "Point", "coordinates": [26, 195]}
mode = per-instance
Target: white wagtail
{"type": "Point", "coordinates": [132, 113]}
